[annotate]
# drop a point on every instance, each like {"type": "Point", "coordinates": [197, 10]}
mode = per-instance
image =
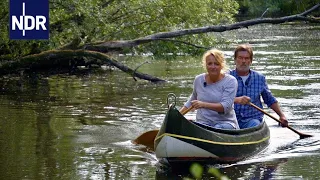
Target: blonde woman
{"type": "Point", "coordinates": [213, 93]}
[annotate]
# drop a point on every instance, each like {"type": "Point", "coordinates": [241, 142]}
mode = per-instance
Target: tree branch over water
{"type": "Point", "coordinates": [105, 46]}
{"type": "Point", "coordinates": [77, 54]}
{"type": "Point", "coordinates": [61, 59]}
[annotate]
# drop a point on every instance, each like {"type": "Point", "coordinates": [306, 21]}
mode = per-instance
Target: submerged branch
{"type": "Point", "coordinates": [49, 59]}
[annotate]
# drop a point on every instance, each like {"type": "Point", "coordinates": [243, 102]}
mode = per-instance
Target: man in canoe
{"type": "Point", "coordinates": [213, 93]}
{"type": "Point", "coordinates": [251, 87]}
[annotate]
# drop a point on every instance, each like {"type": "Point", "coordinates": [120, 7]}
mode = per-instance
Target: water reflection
{"type": "Point", "coordinates": [251, 171]}
{"type": "Point", "coordinates": [273, 163]}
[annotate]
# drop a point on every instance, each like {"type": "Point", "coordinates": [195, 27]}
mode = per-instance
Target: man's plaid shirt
{"type": "Point", "coordinates": [254, 87]}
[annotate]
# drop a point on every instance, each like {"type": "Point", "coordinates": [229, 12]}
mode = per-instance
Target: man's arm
{"type": "Point", "coordinates": [275, 106]}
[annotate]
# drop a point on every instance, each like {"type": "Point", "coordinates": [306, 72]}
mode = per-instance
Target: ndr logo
{"type": "Point", "coordinates": [29, 19]}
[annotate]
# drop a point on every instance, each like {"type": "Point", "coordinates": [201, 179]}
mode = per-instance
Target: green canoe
{"type": "Point", "coordinates": [181, 140]}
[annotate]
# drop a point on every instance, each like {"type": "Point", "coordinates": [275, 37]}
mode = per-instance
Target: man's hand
{"type": "Point", "coordinates": [284, 121]}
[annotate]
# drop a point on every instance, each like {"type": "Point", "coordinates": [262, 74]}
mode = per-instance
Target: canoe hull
{"type": "Point", "coordinates": [181, 140]}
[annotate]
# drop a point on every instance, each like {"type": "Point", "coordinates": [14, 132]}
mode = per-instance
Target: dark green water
{"type": "Point", "coordinates": [81, 127]}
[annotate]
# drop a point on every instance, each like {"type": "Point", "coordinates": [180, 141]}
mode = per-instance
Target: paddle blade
{"type": "Point", "coordinates": [147, 138]}
{"type": "Point", "coordinates": [302, 136]}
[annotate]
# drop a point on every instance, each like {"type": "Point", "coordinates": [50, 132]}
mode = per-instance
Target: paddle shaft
{"type": "Point", "coordinates": [186, 111]}
{"type": "Point", "coordinates": [302, 135]}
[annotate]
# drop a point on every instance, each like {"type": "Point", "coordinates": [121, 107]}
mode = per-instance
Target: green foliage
{"type": "Point", "coordinates": [101, 20]}
{"type": "Point", "coordinates": [276, 8]}
{"type": "Point", "coordinates": [197, 172]}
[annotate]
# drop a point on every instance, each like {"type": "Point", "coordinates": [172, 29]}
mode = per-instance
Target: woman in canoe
{"type": "Point", "coordinates": [213, 93]}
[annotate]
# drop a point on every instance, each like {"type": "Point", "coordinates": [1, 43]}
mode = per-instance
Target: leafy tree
{"type": "Point", "coordinates": [91, 21]}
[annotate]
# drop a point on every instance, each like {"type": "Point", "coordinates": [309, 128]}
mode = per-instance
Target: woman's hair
{"type": "Point", "coordinates": [244, 47]}
{"type": "Point", "coordinates": [218, 55]}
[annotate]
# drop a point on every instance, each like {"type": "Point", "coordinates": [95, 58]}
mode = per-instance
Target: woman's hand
{"type": "Point", "coordinates": [242, 100]}
{"type": "Point", "coordinates": [196, 104]}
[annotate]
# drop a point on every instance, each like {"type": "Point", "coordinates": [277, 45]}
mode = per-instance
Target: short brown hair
{"type": "Point", "coordinates": [243, 47]}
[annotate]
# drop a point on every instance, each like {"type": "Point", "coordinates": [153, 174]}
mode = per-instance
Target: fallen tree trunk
{"type": "Point", "coordinates": [62, 58]}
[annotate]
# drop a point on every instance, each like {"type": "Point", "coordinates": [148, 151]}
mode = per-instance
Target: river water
{"type": "Point", "coordinates": [81, 126]}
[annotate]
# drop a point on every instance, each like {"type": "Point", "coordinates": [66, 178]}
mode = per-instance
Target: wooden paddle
{"type": "Point", "coordinates": [147, 138]}
{"type": "Point", "coordinates": [302, 135]}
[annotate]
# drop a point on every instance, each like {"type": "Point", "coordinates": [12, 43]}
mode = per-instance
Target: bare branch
{"type": "Point", "coordinates": [264, 13]}
{"type": "Point", "coordinates": [310, 10]}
